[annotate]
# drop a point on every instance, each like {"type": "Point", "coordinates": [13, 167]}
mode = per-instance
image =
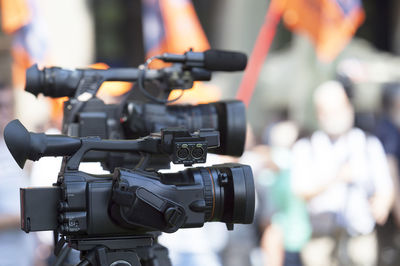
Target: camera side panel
{"type": "Point", "coordinates": [39, 208]}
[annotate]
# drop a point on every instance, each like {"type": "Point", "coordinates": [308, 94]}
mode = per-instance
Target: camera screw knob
{"type": "Point", "coordinates": [223, 179]}
{"type": "Point", "coordinates": [62, 206]}
{"type": "Point", "coordinates": [174, 217]}
{"type": "Point", "coordinates": [62, 218]}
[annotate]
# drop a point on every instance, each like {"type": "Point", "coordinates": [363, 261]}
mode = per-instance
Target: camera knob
{"type": "Point", "coordinates": [62, 206]}
{"type": "Point", "coordinates": [223, 179]}
{"type": "Point", "coordinates": [62, 218]}
{"type": "Point", "coordinates": [174, 217]}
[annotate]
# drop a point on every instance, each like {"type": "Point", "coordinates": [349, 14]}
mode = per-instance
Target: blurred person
{"type": "Point", "coordinates": [343, 174]}
{"type": "Point", "coordinates": [287, 227]}
{"type": "Point", "coordinates": [388, 131]}
{"type": "Point", "coordinates": [16, 247]}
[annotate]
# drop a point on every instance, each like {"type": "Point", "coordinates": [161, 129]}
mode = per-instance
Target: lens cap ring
{"type": "Point", "coordinates": [244, 194]}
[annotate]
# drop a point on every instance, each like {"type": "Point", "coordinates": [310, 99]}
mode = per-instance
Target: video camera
{"type": "Point", "coordinates": [144, 110]}
{"type": "Point", "coordinates": [91, 209]}
{"type": "Point", "coordinates": [116, 218]}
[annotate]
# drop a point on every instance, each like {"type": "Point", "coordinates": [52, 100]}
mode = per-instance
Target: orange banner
{"type": "Point", "coordinates": [14, 15]}
{"type": "Point", "coordinates": [330, 24]}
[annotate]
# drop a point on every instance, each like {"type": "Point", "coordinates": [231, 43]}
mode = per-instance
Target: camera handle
{"type": "Point", "coordinates": [147, 144]}
{"type": "Point", "coordinates": [169, 141]}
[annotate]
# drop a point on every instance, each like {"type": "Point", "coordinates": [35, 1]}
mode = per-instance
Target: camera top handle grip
{"type": "Point", "coordinates": [25, 145]}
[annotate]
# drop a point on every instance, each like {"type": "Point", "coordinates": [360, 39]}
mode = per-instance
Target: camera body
{"type": "Point", "coordinates": [108, 205]}
{"type": "Point", "coordinates": [88, 205]}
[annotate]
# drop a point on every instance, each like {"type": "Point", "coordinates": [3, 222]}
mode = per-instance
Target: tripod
{"type": "Point", "coordinates": [137, 250]}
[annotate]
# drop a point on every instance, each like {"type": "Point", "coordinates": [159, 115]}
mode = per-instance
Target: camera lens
{"type": "Point", "coordinates": [53, 82]}
{"type": "Point", "coordinates": [233, 193]}
{"type": "Point", "coordinates": [229, 192]}
{"type": "Point", "coordinates": [232, 127]}
{"type": "Point", "coordinates": [228, 117]}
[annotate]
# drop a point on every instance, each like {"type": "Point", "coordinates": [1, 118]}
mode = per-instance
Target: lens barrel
{"type": "Point", "coordinates": [53, 82]}
{"type": "Point", "coordinates": [228, 117]}
{"type": "Point", "coordinates": [228, 189]}
{"type": "Point", "coordinates": [232, 127]}
{"type": "Point", "coordinates": [233, 193]}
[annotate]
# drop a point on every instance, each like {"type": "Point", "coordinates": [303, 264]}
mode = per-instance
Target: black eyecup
{"type": "Point", "coordinates": [25, 145]}
{"type": "Point", "coordinates": [18, 141]}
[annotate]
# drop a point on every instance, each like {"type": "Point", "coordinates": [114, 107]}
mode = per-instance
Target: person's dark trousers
{"type": "Point", "coordinates": [388, 243]}
{"type": "Point", "coordinates": [292, 259]}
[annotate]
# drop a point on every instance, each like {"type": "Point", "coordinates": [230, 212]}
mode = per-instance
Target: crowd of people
{"type": "Point", "coordinates": [328, 198]}
{"type": "Point", "coordinates": [331, 198]}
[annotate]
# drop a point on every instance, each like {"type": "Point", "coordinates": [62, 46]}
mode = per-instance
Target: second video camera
{"type": "Point", "coordinates": [137, 115]}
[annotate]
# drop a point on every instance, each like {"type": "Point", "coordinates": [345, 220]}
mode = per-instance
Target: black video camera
{"type": "Point", "coordinates": [92, 210]}
{"type": "Point", "coordinates": [144, 109]}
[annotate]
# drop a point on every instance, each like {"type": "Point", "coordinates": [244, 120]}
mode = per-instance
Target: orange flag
{"type": "Point", "coordinates": [14, 15]}
{"type": "Point", "coordinates": [182, 27]}
{"type": "Point", "coordinates": [330, 24]}
{"type": "Point", "coordinates": [171, 26]}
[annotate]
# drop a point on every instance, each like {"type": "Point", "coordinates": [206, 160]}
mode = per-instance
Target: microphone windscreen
{"type": "Point", "coordinates": [224, 60]}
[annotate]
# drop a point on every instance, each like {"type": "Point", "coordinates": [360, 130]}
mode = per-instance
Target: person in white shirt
{"type": "Point", "coordinates": [343, 174]}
